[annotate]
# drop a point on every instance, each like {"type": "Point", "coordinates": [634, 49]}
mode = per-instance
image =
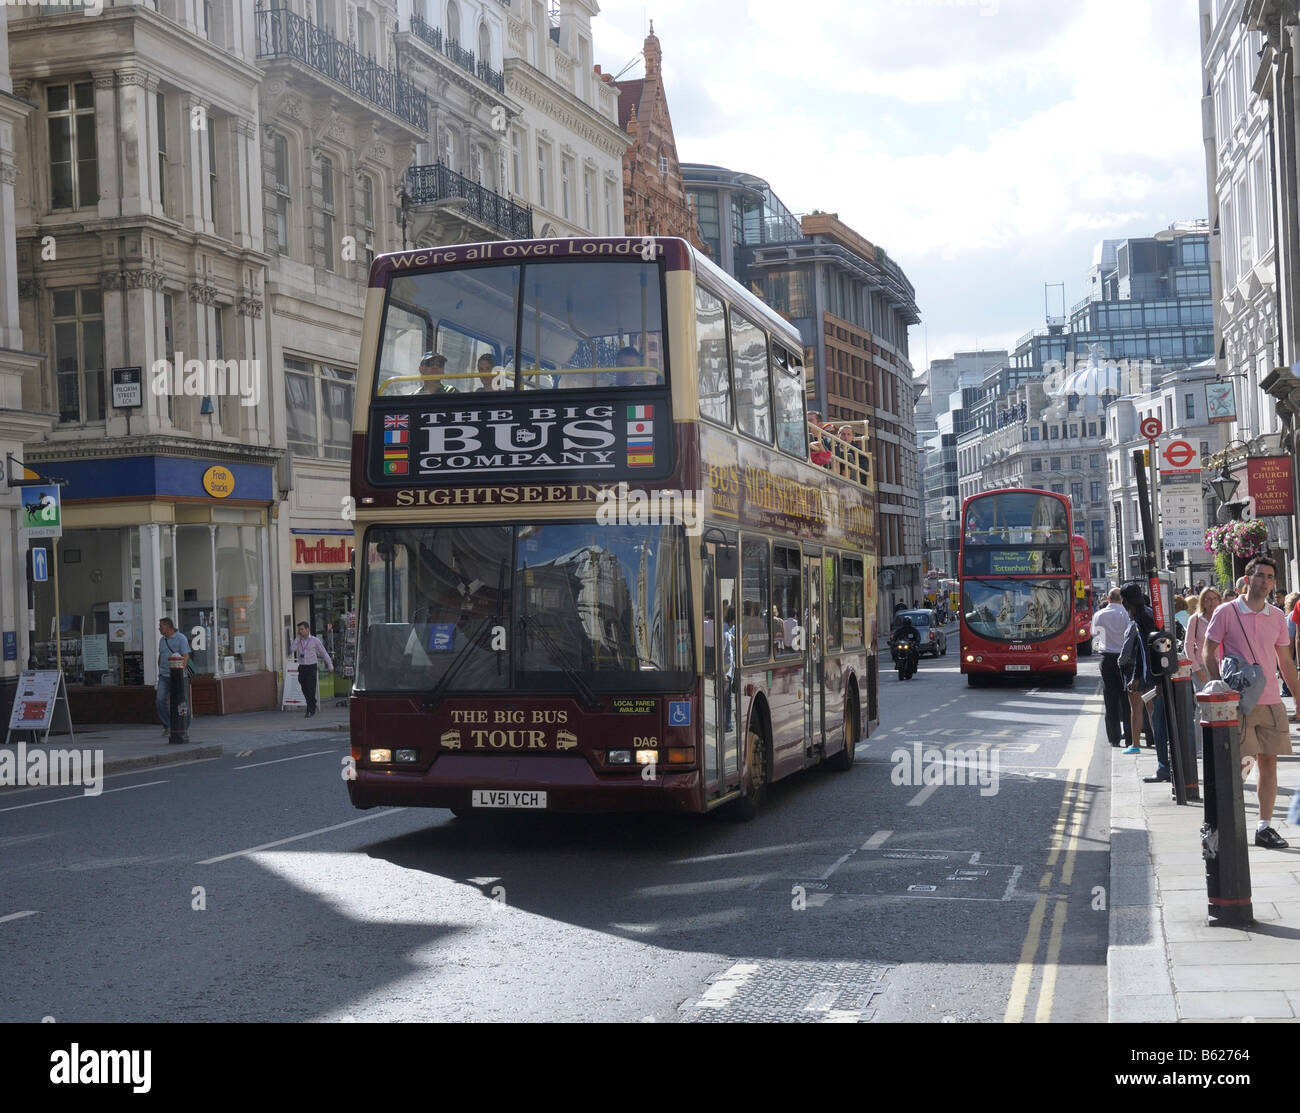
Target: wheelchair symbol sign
{"type": "Point", "coordinates": [679, 713]}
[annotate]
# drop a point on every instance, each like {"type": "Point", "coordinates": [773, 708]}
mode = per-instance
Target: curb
{"type": "Point", "coordinates": [1138, 984]}
{"type": "Point", "coordinates": [178, 757]}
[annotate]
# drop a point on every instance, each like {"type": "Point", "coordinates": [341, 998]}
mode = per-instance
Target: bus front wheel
{"type": "Point", "coordinates": [842, 761]}
{"type": "Point", "coordinates": [974, 680]}
{"type": "Point", "coordinates": [754, 785]}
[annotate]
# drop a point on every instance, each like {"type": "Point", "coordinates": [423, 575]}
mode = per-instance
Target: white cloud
{"type": "Point", "coordinates": [954, 134]}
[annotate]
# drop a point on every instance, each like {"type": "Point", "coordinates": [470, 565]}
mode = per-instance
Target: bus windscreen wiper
{"type": "Point", "coordinates": [588, 697]}
{"type": "Point", "coordinates": [462, 654]}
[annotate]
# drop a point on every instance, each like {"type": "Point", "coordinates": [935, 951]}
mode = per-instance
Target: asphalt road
{"type": "Point", "coordinates": [249, 889]}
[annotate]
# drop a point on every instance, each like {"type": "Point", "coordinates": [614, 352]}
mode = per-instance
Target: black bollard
{"type": "Point", "coordinates": [180, 710]}
{"type": "Point", "coordinates": [1223, 835]}
{"type": "Point", "coordinates": [1187, 785]}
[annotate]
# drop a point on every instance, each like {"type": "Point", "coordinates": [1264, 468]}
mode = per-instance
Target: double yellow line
{"type": "Point", "coordinates": [1066, 832]}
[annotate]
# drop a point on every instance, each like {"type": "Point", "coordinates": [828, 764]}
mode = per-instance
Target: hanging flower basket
{"type": "Point", "coordinates": [1238, 539]}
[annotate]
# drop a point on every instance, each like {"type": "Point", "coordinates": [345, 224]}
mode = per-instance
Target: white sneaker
{"type": "Point", "coordinates": [166, 732]}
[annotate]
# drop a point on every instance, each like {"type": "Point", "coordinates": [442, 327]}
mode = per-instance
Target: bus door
{"type": "Point", "coordinates": [720, 761]}
{"type": "Point", "coordinates": [814, 686]}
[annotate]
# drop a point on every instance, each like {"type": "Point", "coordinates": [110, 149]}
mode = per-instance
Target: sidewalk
{"type": "Point", "coordinates": [1165, 963]}
{"type": "Point", "coordinates": [129, 746]}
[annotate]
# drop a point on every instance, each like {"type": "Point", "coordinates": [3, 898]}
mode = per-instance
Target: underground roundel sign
{"type": "Point", "coordinates": [1178, 454]}
{"type": "Point", "coordinates": [1151, 428]}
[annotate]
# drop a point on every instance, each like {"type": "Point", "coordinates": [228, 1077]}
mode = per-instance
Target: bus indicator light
{"type": "Point", "coordinates": [683, 755]}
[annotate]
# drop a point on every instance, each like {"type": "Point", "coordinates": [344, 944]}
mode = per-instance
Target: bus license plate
{"type": "Point", "coordinates": [1016, 668]}
{"type": "Point", "coordinates": [487, 798]}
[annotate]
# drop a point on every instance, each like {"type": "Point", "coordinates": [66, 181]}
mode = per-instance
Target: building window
{"type": "Point", "coordinates": [1076, 462]}
{"type": "Point", "coordinates": [453, 21]}
{"type": "Point", "coordinates": [327, 209]}
{"type": "Point", "coordinates": [318, 407]}
{"type": "Point", "coordinates": [1055, 465]}
{"type": "Point", "coordinates": [212, 170]}
{"type": "Point", "coordinates": [543, 172]}
{"type": "Point", "coordinates": [1076, 494]}
{"type": "Point", "coordinates": [1036, 465]}
{"type": "Point", "coordinates": [484, 45]}
{"type": "Point", "coordinates": [161, 102]}
{"type": "Point", "coordinates": [1055, 432]}
{"type": "Point", "coordinates": [1189, 407]}
{"type": "Point", "coordinates": [1098, 538]}
{"type": "Point", "coordinates": [1094, 491]}
{"type": "Point", "coordinates": [663, 164]}
{"type": "Point", "coordinates": [74, 166]}
{"type": "Point", "coordinates": [517, 162]}
{"type": "Point", "coordinates": [609, 208]}
{"type": "Point", "coordinates": [588, 187]}
{"type": "Point", "coordinates": [1074, 431]}
{"type": "Point", "coordinates": [78, 319]}
{"type": "Point", "coordinates": [566, 187]}
{"type": "Point", "coordinates": [1058, 488]}
{"type": "Point", "coordinates": [1092, 429]}
{"type": "Point", "coordinates": [1033, 433]}
{"type": "Point", "coordinates": [280, 162]}
{"type": "Point", "coordinates": [1094, 461]}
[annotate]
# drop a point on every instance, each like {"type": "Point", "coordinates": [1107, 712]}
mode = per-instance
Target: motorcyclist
{"type": "Point", "coordinates": [905, 632]}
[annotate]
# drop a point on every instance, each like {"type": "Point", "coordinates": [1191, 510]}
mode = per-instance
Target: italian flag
{"type": "Point", "coordinates": [640, 413]}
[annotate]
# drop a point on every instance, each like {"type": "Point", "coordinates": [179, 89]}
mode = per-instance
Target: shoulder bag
{"type": "Point", "coordinates": [1246, 678]}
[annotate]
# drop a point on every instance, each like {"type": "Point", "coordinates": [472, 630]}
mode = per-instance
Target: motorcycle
{"type": "Point", "coordinates": [906, 653]}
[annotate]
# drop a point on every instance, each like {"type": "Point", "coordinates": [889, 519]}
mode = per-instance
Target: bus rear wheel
{"type": "Point", "coordinates": [754, 784]}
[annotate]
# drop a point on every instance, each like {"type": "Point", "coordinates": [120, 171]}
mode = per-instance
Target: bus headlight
{"type": "Point", "coordinates": [619, 757]}
{"type": "Point", "coordinates": [1065, 656]}
{"type": "Point", "coordinates": [406, 756]}
{"type": "Point", "coordinates": [970, 657]}
{"type": "Point", "coordinates": [381, 757]}
{"type": "Point", "coordinates": [647, 757]}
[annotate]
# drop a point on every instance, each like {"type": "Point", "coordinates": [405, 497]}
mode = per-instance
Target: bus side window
{"type": "Point", "coordinates": [753, 387]}
{"type": "Point", "coordinates": [830, 577]}
{"type": "Point", "coordinates": [714, 366]}
{"type": "Point", "coordinates": [791, 427]}
{"type": "Point", "coordinates": [787, 598]}
{"type": "Point", "coordinates": [851, 601]}
{"type": "Point", "coordinates": [755, 627]}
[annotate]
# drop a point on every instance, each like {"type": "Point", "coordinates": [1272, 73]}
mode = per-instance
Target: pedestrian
{"type": "Point", "coordinates": [1289, 607]}
{"type": "Point", "coordinates": [308, 650]}
{"type": "Point", "coordinates": [1141, 684]}
{"type": "Point", "coordinates": [1203, 607]}
{"type": "Point", "coordinates": [1251, 629]}
{"type": "Point", "coordinates": [1108, 628]}
{"type": "Point", "coordinates": [171, 643]}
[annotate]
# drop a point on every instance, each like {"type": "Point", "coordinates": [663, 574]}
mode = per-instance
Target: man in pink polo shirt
{"type": "Point", "coordinates": [1250, 628]}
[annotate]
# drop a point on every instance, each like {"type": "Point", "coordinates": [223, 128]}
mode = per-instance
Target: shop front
{"type": "Point", "coordinates": [148, 537]}
{"type": "Point", "coordinates": [323, 594]}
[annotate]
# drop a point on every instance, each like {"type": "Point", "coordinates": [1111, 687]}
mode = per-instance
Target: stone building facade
{"type": "Point", "coordinates": [654, 195]}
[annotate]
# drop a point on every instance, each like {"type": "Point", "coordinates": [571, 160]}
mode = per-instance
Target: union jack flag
{"type": "Point", "coordinates": [397, 421]}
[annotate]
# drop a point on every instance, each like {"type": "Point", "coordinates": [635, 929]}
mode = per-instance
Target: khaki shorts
{"type": "Point", "coordinates": [1266, 731]}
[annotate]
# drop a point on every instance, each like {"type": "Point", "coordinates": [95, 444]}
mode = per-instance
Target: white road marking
{"type": "Point", "coordinates": [18, 915]}
{"type": "Point", "coordinates": [80, 796]}
{"type": "Point", "coordinates": [728, 984]}
{"type": "Point", "coordinates": [838, 862]}
{"type": "Point", "coordinates": [877, 840]}
{"type": "Point", "coordinates": [298, 838]}
{"type": "Point", "coordinates": [296, 757]}
{"type": "Point", "coordinates": [1011, 882]}
{"type": "Point", "coordinates": [922, 796]}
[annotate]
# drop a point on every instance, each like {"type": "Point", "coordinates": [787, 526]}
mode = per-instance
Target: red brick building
{"type": "Point", "coordinates": [654, 198]}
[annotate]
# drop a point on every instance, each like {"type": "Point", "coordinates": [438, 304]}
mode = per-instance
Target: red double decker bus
{"type": "Point", "coordinates": [596, 567]}
{"type": "Point", "coordinates": [1017, 595]}
{"type": "Point", "coordinates": [1082, 595]}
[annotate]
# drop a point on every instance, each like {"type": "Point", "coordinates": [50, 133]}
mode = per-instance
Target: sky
{"type": "Point", "coordinates": [987, 145]}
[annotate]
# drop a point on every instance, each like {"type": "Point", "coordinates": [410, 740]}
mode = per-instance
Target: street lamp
{"type": "Point", "coordinates": [1224, 485]}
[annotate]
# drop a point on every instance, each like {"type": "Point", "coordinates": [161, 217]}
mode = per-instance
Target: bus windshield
{"type": "Point", "coordinates": [521, 607]}
{"type": "Point", "coordinates": [529, 326]}
{"type": "Point", "coordinates": [1016, 610]}
{"type": "Point", "coordinates": [1015, 518]}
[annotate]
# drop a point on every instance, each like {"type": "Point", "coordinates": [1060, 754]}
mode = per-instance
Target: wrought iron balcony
{"type": "Point", "coordinates": [458, 54]}
{"type": "Point", "coordinates": [430, 35]}
{"type": "Point", "coordinates": [426, 185]}
{"type": "Point", "coordinates": [285, 34]}
{"type": "Point", "coordinates": [489, 76]}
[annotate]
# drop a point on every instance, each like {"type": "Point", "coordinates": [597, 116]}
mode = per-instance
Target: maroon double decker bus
{"type": "Point", "coordinates": [596, 568]}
